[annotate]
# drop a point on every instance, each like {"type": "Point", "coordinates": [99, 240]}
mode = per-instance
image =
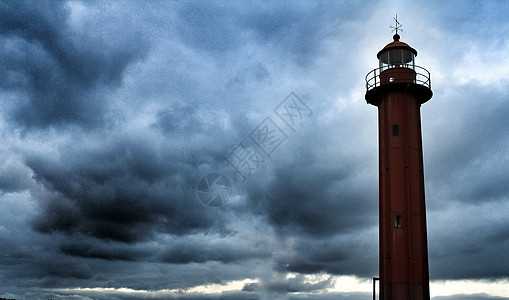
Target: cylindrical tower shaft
{"type": "Point", "coordinates": [403, 240]}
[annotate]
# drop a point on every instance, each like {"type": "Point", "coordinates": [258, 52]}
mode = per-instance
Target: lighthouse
{"type": "Point", "coordinates": [398, 87]}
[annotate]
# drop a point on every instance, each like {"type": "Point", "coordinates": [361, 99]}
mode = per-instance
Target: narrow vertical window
{"type": "Point", "coordinates": [395, 129]}
{"type": "Point", "coordinates": [397, 221]}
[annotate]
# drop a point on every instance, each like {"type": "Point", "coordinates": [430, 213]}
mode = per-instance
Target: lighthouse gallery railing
{"type": "Point", "coordinates": [422, 77]}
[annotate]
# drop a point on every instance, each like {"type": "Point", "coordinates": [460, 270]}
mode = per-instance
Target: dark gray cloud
{"type": "Point", "coordinates": [292, 30]}
{"type": "Point", "coordinates": [123, 190]}
{"type": "Point", "coordinates": [13, 176]}
{"type": "Point", "coordinates": [103, 251]}
{"type": "Point", "coordinates": [221, 250]}
{"type": "Point", "coordinates": [308, 200]}
{"type": "Point", "coordinates": [208, 26]}
{"type": "Point", "coordinates": [59, 73]}
{"type": "Point", "coordinates": [338, 255]}
{"type": "Point", "coordinates": [474, 140]}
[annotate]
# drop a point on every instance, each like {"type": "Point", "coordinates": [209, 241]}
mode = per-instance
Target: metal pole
{"type": "Point", "coordinates": [374, 287]}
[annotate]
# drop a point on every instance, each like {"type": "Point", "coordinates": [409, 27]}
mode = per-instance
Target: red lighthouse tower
{"type": "Point", "coordinates": [398, 88]}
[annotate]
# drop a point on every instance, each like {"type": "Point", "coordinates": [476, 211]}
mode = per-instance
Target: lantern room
{"type": "Point", "coordinates": [397, 55]}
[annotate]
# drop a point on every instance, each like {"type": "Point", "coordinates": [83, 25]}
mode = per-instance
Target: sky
{"type": "Point", "coordinates": [224, 150]}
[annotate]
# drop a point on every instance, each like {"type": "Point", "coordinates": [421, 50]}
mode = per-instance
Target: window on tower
{"type": "Point", "coordinates": [397, 221]}
{"type": "Point", "coordinates": [395, 129]}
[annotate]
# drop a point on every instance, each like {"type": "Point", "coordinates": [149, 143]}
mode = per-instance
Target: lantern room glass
{"type": "Point", "coordinates": [397, 58]}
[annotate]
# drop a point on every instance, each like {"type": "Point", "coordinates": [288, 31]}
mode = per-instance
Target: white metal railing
{"type": "Point", "coordinates": [422, 76]}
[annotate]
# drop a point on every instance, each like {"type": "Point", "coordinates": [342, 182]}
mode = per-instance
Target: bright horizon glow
{"type": "Point", "coordinates": [499, 288]}
{"type": "Point", "coordinates": [342, 284]}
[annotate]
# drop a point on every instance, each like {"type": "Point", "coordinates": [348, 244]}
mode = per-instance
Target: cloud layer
{"type": "Point", "coordinates": [112, 112]}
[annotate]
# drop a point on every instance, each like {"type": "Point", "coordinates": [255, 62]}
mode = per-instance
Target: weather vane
{"type": "Point", "coordinates": [398, 25]}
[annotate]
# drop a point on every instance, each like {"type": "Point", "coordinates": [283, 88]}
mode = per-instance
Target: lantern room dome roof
{"type": "Point", "coordinates": [396, 44]}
